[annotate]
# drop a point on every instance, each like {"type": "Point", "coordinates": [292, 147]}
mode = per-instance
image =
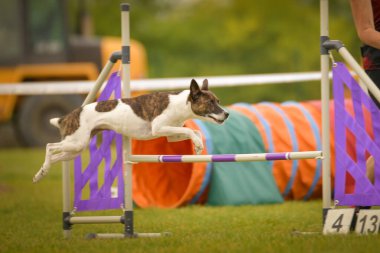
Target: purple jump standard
{"type": "Point", "coordinates": [226, 157]}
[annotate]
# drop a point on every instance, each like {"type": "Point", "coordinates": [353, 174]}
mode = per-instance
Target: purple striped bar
{"type": "Point", "coordinates": [171, 158]}
{"type": "Point", "coordinates": [277, 156]}
{"type": "Point", "coordinates": [223, 158]}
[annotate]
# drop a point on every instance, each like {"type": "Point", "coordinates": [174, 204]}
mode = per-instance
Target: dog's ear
{"type": "Point", "coordinates": [194, 90]}
{"type": "Point", "coordinates": [205, 85]}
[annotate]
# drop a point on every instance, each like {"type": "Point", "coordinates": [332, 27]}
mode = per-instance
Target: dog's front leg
{"type": "Point", "coordinates": [182, 137]}
{"type": "Point", "coordinates": [180, 133]}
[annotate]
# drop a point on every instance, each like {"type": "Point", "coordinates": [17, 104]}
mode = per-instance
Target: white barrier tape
{"type": "Point", "coordinates": [77, 87]}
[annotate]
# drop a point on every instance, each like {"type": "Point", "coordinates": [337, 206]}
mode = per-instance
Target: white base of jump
{"type": "Point", "coordinates": [109, 220]}
{"type": "Point", "coordinates": [123, 236]}
{"type": "Point", "coordinates": [96, 219]}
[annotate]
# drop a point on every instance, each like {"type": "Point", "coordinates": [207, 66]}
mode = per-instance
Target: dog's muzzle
{"type": "Point", "coordinates": [219, 118]}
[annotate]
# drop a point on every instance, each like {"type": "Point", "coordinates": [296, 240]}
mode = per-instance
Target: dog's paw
{"type": "Point", "coordinates": [198, 150]}
{"type": "Point", "coordinates": [39, 175]}
{"type": "Point", "coordinates": [198, 146]}
{"type": "Point", "coordinates": [197, 141]}
{"type": "Point", "coordinates": [36, 178]}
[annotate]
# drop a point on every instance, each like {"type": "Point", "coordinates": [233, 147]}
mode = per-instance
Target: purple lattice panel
{"type": "Point", "coordinates": [94, 181]}
{"type": "Point", "coordinates": [365, 193]}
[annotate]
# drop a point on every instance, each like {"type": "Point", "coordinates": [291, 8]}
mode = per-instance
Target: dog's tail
{"type": "Point", "coordinates": [55, 122]}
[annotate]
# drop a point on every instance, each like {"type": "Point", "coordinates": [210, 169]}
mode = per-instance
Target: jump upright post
{"type": "Point", "coordinates": [325, 97]}
{"type": "Point", "coordinates": [126, 77]}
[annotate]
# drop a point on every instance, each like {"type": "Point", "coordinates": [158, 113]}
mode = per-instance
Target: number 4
{"type": "Point", "coordinates": [338, 221]}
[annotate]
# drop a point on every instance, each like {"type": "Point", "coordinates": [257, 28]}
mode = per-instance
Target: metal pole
{"type": "Point", "coordinates": [66, 208]}
{"type": "Point", "coordinates": [325, 93]}
{"type": "Point", "coordinates": [99, 82]}
{"type": "Point", "coordinates": [227, 157]}
{"type": "Point", "coordinates": [96, 219]}
{"type": "Point", "coordinates": [125, 60]}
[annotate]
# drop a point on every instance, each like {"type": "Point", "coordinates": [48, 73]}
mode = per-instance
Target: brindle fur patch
{"type": "Point", "coordinates": [204, 103]}
{"type": "Point", "coordinates": [70, 123]}
{"type": "Point", "coordinates": [106, 106]}
{"type": "Point", "coordinates": [149, 106]}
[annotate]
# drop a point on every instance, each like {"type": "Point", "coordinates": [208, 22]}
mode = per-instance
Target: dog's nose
{"type": "Point", "coordinates": [226, 114]}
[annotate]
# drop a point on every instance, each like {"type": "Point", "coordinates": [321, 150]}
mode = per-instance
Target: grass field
{"type": "Point", "coordinates": [30, 216]}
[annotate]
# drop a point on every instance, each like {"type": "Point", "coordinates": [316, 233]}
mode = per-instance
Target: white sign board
{"type": "Point", "coordinates": [338, 221]}
{"type": "Point", "coordinates": [368, 222]}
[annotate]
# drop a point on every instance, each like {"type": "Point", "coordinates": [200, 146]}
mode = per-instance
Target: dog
{"type": "Point", "coordinates": [144, 117]}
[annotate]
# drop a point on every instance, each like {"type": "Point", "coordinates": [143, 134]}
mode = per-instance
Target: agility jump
{"type": "Point", "coordinates": [100, 196]}
{"type": "Point", "coordinates": [127, 206]}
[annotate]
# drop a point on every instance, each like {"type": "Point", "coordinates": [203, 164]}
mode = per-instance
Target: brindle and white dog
{"type": "Point", "coordinates": [143, 118]}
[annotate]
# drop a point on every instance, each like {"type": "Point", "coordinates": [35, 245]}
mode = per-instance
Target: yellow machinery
{"type": "Point", "coordinates": [37, 47]}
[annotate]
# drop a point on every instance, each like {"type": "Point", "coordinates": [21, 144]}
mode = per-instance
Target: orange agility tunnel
{"type": "Point", "coordinates": [171, 184]}
{"type": "Point", "coordinates": [251, 128]}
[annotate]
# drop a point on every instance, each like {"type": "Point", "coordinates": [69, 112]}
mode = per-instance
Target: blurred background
{"type": "Point", "coordinates": [71, 39]}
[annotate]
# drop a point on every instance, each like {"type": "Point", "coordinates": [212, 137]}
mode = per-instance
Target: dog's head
{"type": "Point", "coordinates": [204, 103]}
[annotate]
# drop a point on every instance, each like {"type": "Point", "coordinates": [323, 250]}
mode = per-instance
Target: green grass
{"type": "Point", "coordinates": [30, 216]}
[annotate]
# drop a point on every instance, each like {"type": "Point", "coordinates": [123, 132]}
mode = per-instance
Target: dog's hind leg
{"type": "Point", "coordinates": [50, 149]}
{"type": "Point", "coordinates": [67, 149]}
{"type": "Point", "coordinates": [64, 156]}
{"type": "Point", "coordinates": [55, 152]}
